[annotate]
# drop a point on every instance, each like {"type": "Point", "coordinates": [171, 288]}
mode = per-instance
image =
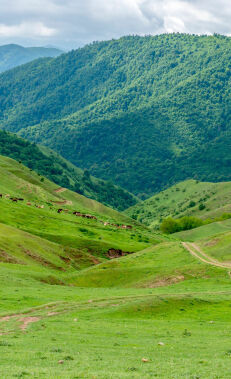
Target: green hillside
{"type": "Point", "coordinates": [149, 268]}
{"type": "Point", "coordinates": [14, 55]}
{"type": "Point", "coordinates": [38, 214]}
{"type": "Point", "coordinates": [87, 312]}
{"type": "Point", "coordinates": [51, 165]}
{"type": "Point", "coordinates": [146, 112]}
{"type": "Point", "coordinates": [189, 198]}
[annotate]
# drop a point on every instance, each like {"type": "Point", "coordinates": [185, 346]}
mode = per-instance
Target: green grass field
{"type": "Point", "coordinates": [181, 329]}
{"type": "Point", "coordinates": [68, 311]}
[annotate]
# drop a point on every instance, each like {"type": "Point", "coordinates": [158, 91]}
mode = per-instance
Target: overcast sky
{"type": "Point", "coordinates": [73, 23]}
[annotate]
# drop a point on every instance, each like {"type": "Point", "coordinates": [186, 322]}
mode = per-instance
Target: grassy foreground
{"type": "Point", "coordinates": [181, 328]}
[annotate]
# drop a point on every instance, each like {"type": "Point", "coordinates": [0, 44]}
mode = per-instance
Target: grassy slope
{"type": "Point", "coordinates": [175, 202]}
{"type": "Point", "coordinates": [91, 236]}
{"type": "Point", "coordinates": [102, 332]}
{"type": "Point", "coordinates": [54, 167]}
{"type": "Point", "coordinates": [149, 268]}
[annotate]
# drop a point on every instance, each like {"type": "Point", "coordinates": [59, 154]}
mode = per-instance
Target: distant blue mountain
{"type": "Point", "coordinates": [14, 55]}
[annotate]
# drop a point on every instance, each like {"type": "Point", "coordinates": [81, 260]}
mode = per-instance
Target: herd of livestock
{"type": "Point", "coordinates": [76, 213]}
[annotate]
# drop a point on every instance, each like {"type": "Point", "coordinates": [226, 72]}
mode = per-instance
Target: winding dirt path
{"type": "Point", "coordinates": [195, 250]}
{"type": "Point", "coordinates": [60, 190]}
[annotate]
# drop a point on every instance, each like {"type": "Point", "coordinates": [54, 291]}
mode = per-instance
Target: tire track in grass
{"type": "Point", "coordinates": [196, 251]}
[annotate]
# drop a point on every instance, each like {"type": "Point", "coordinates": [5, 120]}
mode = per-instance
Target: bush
{"type": "Point", "coordinates": [169, 226]}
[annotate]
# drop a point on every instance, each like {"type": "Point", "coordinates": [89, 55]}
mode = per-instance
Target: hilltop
{"type": "Point", "coordinates": [54, 167]}
{"type": "Point", "coordinates": [147, 112]}
{"type": "Point", "coordinates": [188, 198]}
{"type": "Point", "coordinates": [14, 55]}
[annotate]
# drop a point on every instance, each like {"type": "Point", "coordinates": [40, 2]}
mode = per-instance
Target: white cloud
{"type": "Point", "coordinates": [37, 30]}
{"type": "Point", "coordinates": [74, 22]}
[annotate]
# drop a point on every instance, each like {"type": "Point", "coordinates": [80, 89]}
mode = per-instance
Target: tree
{"type": "Point", "coordinates": [169, 226]}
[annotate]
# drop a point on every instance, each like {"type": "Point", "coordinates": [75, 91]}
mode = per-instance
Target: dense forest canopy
{"type": "Point", "coordinates": [52, 166]}
{"type": "Point", "coordinates": [146, 112]}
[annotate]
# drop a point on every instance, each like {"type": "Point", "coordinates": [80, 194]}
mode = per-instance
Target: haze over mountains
{"type": "Point", "coordinates": [13, 55]}
{"type": "Point", "coordinates": [146, 112]}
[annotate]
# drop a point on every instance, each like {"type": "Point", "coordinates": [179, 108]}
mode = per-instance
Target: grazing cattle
{"type": "Point", "coordinates": [78, 214]}
{"type": "Point", "coordinates": [126, 227]}
{"type": "Point", "coordinates": [60, 210]}
{"type": "Point", "coordinates": [14, 199]}
{"type": "Point", "coordinates": [20, 199]}
{"type": "Point", "coordinates": [1, 195]}
{"type": "Point", "coordinates": [28, 203]}
{"type": "Point", "coordinates": [40, 206]}
{"type": "Point", "coordinates": [7, 196]}
{"type": "Point", "coordinates": [90, 216]}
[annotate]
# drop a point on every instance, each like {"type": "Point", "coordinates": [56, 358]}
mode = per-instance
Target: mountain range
{"type": "Point", "coordinates": [14, 55]}
{"type": "Point", "coordinates": [145, 112]}
{"type": "Point", "coordinates": [89, 291]}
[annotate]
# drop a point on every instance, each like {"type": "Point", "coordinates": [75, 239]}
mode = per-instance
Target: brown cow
{"type": "Point", "coordinates": [90, 216]}
{"type": "Point", "coordinates": [78, 214]}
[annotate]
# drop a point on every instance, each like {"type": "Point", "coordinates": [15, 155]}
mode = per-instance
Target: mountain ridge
{"type": "Point", "coordinates": [145, 111]}
{"type": "Point", "coordinates": [13, 55]}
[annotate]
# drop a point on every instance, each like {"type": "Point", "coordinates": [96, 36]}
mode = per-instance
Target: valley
{"type": "Point", "coordinates": [60, 288]}
{"type": "Point", "coordinates": [115, 211]}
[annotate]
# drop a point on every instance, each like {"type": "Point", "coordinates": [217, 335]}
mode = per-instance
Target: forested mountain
{"type": "Point", "coordinates": [14, 55]}
{"type": "Point", "coordinates": [51, 165]}
{"type": "Point", "coordinates": [145, 111]}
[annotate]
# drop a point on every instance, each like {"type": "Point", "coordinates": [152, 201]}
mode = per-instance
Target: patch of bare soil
{"type": "Point", "coordinates": [49, 314]}
{"type": "Point", "coordinates": [26, 321]}
{"type": "Point", "coordinates": [117, 253]}
{"type": "Point", "coordinates": [43, 261]}
{"type": "Point", "coordinates": [63, 202]}
{"type": "Point", "coordinates": [6, 258]}
{"type": "Point", "coordinates": [60, 190]}
{"type": "Point", "coordinates": [5, 318]}
{"type": "Point", "coordinates": [166, 281]}
{"type": "Point", "coordinates": [95, 261]}
{"type": "Point", "coordinates": [212, 242]}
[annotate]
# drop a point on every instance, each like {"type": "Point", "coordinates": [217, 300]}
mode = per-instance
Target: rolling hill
{"type": "Point", "coordinates": [54, 167]}
{"type": "Point", "coordinates": [37, 213]}
{"type": "Point", "coordinates": [147, 112]}
{"type": "Point", "coordinates": [88, 312]}
{"type": "Point", "coordinates": [189, 198]}
{"type": "Point", "coordinates": [14, 55]}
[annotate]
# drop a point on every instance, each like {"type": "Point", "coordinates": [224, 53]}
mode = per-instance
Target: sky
{"type": "Point", "coordinates": [72, 23]}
